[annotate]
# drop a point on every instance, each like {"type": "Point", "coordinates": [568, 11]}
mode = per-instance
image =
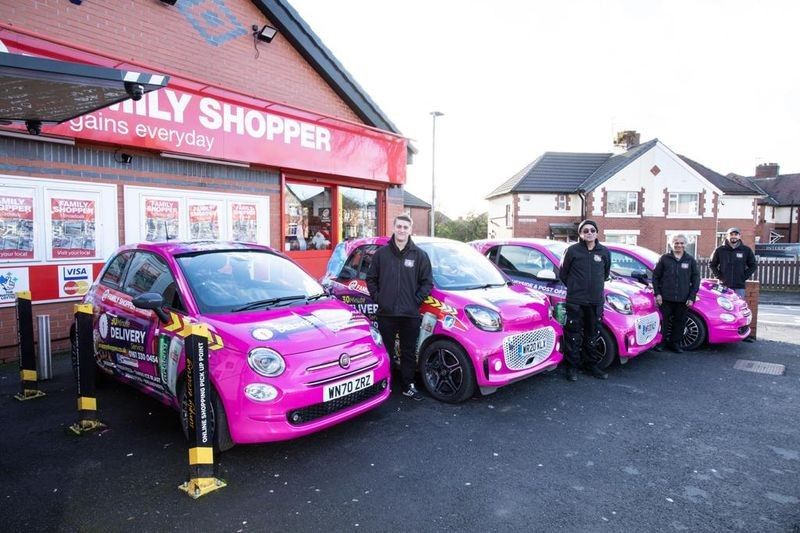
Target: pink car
{"type": "Point", "coordinates": [718, 315]}
{"type": "Point", "coordinates": [285, 359]}
{"type": "Point", "coordinates": [632, 322]}
{"type": "Point", "coordinates": [477, 331]}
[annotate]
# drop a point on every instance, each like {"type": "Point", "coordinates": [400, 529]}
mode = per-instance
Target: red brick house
{"type": "Point", "coordinates": [642, 196]}
{"type": "Point", "coordinates": [778, 218]}
{"type": "Point", "coordinates": [419, 211]}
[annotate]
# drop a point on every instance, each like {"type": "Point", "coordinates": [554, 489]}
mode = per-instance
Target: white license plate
{"type": "Point", "coordinates": [646, 329]}
{"type": "Point", "coordinates": [343, 388]}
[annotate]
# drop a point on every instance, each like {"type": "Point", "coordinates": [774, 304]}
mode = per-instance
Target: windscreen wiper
{"type": "Point", "coordinates": [267, 303]}
{"type": "Point", "coordinates": [486, 286]}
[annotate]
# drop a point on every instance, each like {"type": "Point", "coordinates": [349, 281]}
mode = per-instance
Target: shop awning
{"type": "Point", "coordinates": [39, 91]}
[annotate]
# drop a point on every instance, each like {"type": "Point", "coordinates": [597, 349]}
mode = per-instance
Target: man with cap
{"type": "Point", "coordinates": [584, 270]}
{"type": "Point", "coordinates": [733, 263]}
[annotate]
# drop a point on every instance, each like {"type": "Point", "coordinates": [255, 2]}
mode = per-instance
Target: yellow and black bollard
{"type": "Point", "coordinates": [85, 370]}
{"type": "Point", "coordinates": [27, 356]}
{"type": "Point", "coordinates": [198, 398]}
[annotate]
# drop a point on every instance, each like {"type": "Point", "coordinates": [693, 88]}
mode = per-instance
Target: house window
{"type": "Point", "coordinates": [721, 236]}
{"type": "Point", "coordinates": [561, 202]}
{"type": "Point", "coordinates": [691, 241]}
{"type": "Point", "coordinates": [622, 238]}
{"type": "Point", "coordinates": [508, 215]}
{"type": "Point", "coordinates": [622, 203]}
{"type": "Point", "coordinates": [684, 203]}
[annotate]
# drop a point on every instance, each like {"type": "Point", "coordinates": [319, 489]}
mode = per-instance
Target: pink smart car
{"type": "Point", "coordinates": [285, 359]}
{"type": "Point", "coordinates": [631, 321]}
{"type": "Point", "coordinates": [718, 315]}
{"type": "Point", "coordinates": [477, 331]}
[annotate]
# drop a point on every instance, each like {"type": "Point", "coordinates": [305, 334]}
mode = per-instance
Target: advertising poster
{"type": "Point", "coordinates": [12, 281]}
{"type": "Point", "coordinates": [74, 280]}
{"type": "Point", "coordinates": [203, 221]}
{"type": "Point", "coordinates": [16, 227]}
{"type": "Point", "coordinates": [73, 226]}
{"type": "Point", "coordinates": [161, 219]}
{"type": "Point", "coordinates": [244, 222]}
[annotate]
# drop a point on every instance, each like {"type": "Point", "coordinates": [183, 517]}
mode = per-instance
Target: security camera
{"type": "Point", "coordinates": [34, 127]}
{"type": "Point", "coordinates": [134, 90]}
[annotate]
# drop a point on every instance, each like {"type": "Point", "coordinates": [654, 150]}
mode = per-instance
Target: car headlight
{"type": "Point", "coordinates": [484, 318]}
{"type": "Point", "coordinates": [725, 303]}
{"type": "Point", "coordinates": [376, 336]}
{"type": "Point", "coordinates": [621, 304]}
{"type": "Point", "coordinates": [266, 362]}
{"type": "Point", "coordinates": [727, 317]}
{"type": "Point", "coordinates": [260, 392]}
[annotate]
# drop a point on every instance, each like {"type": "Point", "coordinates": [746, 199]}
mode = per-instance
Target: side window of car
{"type": "Point", "coordinates": [626, 265]}
{"type": "Point", "coordinates": [522, 261]}
{"type": "Point", "coordinates": [366, 261]}
{"type": "Point", "coordinates": [493, 253]}
{"type": "Point", "coordinates": [149, 273]}
{"type": "Point", "coordinates": [116, 269]}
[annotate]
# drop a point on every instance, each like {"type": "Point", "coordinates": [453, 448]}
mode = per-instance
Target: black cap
{"type": "Point", "coordinates": [587, 222]}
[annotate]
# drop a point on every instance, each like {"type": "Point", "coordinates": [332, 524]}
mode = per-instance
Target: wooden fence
{"type": "Point", "coordinates": [773, 273]}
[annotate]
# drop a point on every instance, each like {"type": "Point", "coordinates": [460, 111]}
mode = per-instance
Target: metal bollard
{"type": "Point", "coordinates": [44, 361]}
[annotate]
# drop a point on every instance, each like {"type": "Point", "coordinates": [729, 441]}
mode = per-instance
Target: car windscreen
{"type": "Point", "coordinates": [458, 266]}
{"type": "Point", "coordinates": [234, 280]}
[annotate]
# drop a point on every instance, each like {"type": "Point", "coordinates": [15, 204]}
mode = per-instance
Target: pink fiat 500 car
{"type": "Point", "coordinates": [285, 359]}
{"type": "Point", "coordinates": [718, 315]}
{"type": "Point", "coordinates": [631, 321]}
{"type": "Point", "coordinates": [477, 331]}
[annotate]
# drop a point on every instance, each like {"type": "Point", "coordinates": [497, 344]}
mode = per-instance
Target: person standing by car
{"type": "Point", "coordinates": [733, 263]}
{"type": "Point", "coordinates": [584, 270]}
{"type": "Point", "coordinates": [399, 280]}
{"type": "Point", "coordinates": [676, 280]}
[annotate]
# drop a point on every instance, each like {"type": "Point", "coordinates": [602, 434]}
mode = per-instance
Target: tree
{"type": "Point", "coordinates": [462, 229]}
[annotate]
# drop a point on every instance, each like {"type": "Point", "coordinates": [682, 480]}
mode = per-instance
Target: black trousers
{"type": "Point", "coordinates": [674, 314]}
{"type": "Point", "coordinates": [407, 329]}
{"type": "Point", "coordinates": [581, 334]}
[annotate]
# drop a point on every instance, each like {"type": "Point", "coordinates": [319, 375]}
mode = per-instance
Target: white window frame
{"type": "Point", "coordinates": [631, 196]}
{"type": "Point", "coordinates": [509, 217]}
{"type": "Point", "coordinates": [627, 235]}
{"type": "Point", "coordinates": [561, 202]}
{"type": "Point", "coordinates": [677, 196]}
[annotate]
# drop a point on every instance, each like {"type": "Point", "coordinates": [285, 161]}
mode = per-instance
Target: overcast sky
{"type": "Point", "coordinates": [715, 80]}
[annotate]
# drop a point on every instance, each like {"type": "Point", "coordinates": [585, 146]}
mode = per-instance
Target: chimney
{"type": "Point", "coordinates": [627, 139]}
{"type": "Point", "coordinates": [767, 170]}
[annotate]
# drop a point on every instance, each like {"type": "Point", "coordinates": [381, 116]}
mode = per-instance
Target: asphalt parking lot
{"type": "Point", "coordinates": [669, 443]}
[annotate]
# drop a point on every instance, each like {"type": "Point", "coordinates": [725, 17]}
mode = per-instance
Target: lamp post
{"type": "Point", "coordinates": [434, 114]}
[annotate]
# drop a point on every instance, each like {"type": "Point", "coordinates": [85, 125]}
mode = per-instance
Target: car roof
{"type": "Point", "coordinates": [187, 247]}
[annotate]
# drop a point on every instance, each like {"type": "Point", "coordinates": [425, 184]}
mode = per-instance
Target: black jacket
{"type": "Point", "coordinates": [733, 266]}
{"type": "Point", "coordinates": [399, 281]}
{"type": "Point", "coordinates": [676, 280]}
{"type": "Point", "coordinates": [585, 272]}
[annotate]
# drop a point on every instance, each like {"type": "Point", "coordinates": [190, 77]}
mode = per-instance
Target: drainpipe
{"type": "Point", "coordinates": [582, 194]}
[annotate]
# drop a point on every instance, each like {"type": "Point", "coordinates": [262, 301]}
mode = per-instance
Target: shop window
{"type": "Point", "coordinates": [358, 210]}
{"type": "Point", "coordinates": [308, 219]}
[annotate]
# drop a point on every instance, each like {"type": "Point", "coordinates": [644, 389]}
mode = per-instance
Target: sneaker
{"type": "Point", "coordinates": [676, 348]}
{"type": "Point", "coordinates": [572, 374]}
{"type": "Point", "coordinates": [597, 373]}
{"type": "Point", "coordinates": [412, 393]}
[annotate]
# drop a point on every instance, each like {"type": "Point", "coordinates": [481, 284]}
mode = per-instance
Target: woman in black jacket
{"type": "Point", "coordinates": [676, 280]}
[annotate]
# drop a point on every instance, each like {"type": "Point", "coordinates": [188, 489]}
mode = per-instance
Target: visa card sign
{"type": "Point", "coordinates": [74, 280]}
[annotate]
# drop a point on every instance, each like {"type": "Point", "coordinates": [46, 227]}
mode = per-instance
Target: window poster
{"type": "Point", "coordinates": [73, 228]}
{"type": "Point", "coordinates": [244, 219]}
{"type": "Point", "coordinates": [16, 227]}
{"type": "Point", "coordinates": [203, 221]}
{"type": "Point", "coordinates": [161, 219]}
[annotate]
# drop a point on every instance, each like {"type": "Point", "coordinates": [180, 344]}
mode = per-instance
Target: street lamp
{"type": "Point", "coordinates": [434, 114]}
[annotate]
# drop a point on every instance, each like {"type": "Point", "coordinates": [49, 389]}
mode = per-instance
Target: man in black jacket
{"type": "Point", "coordinates": [399, 280]}
{"type": "Point", "coordinates": [733, 263]}
{"type": "Point", "coordinates": [676, 280]}
{"type": "Point", "coordinates": [584, 270]}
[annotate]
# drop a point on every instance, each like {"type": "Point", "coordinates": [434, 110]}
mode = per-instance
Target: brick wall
{"type": "Point", "coordinates": [422, 220]}
{"type": "Point", "coordinates": [178, 40]}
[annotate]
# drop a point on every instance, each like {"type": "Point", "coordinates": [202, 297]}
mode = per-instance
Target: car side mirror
{"type": "Point", "coordinates": [640, 276]}
{"type": "Point", "coordinates": [546, 275]}
{"type": "Point", "coordinates": [154, 302]}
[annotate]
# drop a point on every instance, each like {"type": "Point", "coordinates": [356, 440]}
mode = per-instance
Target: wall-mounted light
{"type": "Point", "coordinates": [122, 157]}
{"type": "Point", "coordinates": [266, 33]}
{"type": "Point", "coordinates": [134, 90]}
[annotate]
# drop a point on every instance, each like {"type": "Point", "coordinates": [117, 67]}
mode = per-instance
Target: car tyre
{"type": "Point", "coordinates": [218, 420]}
{"type": "Point", "coordinates": [606, 349]}
{"type": "Point", "coordinates": [447, 371]}
{"type": "Point", "coordinates": [695, 332]}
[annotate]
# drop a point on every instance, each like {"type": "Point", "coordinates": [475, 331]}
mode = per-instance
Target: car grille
{"type": "Point", "coordinates": [744, 329]}
{"type": "Point", "coordinates": [308, 414]}
{"type": "Point", "coordinates": [528, 349]}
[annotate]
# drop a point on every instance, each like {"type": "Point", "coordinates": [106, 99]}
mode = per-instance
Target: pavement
{"type": "Point", "coordinates": [779, 298]}
{"type": "Point", "coordinates": [670, 442]}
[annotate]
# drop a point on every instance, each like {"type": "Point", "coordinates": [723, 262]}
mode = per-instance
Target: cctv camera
{"type": "Point", "coordinates": [134, 90]}
{"type": "Point", "coordinates": [34, 127]}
